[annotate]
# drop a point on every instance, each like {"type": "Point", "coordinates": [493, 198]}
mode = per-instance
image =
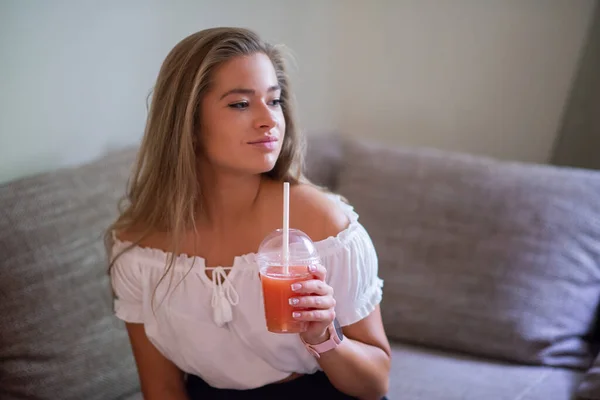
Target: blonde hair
{"type": "Point", "coordinates": [164, 191]}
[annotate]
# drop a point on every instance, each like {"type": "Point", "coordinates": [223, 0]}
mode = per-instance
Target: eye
{"type": "Point", "coordinates": [239, 105]}
{"type": "Point", "coordinates": [276, 103]}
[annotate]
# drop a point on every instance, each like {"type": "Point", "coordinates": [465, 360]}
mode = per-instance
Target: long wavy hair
{"type": "Point", "coordinates": [164, 191]}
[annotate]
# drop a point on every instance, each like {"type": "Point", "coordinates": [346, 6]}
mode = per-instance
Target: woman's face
{"type": "Point", "coordinates": [242, 123]}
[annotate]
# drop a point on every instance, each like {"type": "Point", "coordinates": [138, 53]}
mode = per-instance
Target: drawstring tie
{"type": "Point", "coordinates": [223, 297]}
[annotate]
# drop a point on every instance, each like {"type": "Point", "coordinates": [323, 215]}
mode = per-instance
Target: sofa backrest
{"type": "Point", "coordinates": [487, 257]}
{"type": "Point", "coordinates": [323, 161]}
{"type": "Point", "coordinates": [58, 336]}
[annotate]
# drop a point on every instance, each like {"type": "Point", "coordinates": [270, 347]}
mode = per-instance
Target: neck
{"type": "Point", "coordinates": [228, 198]}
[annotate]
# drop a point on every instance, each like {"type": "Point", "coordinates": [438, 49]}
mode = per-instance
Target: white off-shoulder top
{"type": "Point", "coordinates": [216, 329]}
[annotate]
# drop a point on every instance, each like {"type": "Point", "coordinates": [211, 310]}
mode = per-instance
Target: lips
{"type": "Point", "coordinates": [267, 139]}
{"type": "Point", "coordinates": [265, 144]}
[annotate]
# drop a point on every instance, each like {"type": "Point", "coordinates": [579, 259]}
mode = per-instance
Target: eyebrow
{"type": "Point", "coordinates": [248, 91]}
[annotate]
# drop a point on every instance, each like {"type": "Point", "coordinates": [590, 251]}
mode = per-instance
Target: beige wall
{"type": "Point", "coordinates": [578, 141]}
{"type": "Point", "coordinates": [482, 76]}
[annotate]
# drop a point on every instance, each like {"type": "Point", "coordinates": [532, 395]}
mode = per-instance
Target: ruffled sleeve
{"type": "Point", "coordinates": [352, 271]}
{"type": "Point", "coordinates": [126, 281]}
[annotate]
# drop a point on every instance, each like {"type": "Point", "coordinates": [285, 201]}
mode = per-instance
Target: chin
{"type": "Point", "coordinates": [252, 168]}
{"type": "Point", "coordinates": [265, 164]}
{"type": "Point", "coordinates": [264, 168]}
{"type": "Point", "coordinates": [253, 165]}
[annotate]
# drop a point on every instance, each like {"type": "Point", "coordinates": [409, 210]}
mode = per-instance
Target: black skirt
{"type": "Point", "coordinates": [306, 387]}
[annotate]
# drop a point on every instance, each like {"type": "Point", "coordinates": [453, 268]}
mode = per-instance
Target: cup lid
{"type": "Point", "coordinates": [301, 247]}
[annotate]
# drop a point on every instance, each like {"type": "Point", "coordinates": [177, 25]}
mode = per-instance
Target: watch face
{"type": "Point", "coordinates": [338, 329]}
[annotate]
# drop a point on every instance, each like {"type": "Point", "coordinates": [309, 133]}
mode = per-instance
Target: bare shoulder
{"type": "Point", "coordinates": [138, 234]}
{"type": "Point", "coordinates": [128, 235]}
{"type": "Point", "coordinates": [314, 212]}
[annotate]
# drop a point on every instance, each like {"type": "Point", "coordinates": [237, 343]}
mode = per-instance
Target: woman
{"type": "Point", "coordinates": [220, 140]}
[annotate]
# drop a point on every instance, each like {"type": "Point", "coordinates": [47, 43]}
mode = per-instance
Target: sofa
{"type": "Point", "coordinates": [491, 274]}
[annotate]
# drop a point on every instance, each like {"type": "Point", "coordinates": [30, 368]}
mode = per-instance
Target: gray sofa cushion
{"type": "Point", "coordinates": [58, 336]}
{"type": "Point", "coordinates": [590, 386]}
{"type": "Point", "coordinates": [136, 396]}
{"type": "Point", "coordinates": [425, 374]}
{"type": "Point", "coordinates": [323, 158]}
{"type": "Point", "coordinates": [486, 257]}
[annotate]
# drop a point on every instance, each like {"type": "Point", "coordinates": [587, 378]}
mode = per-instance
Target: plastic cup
{"type": "Point", "coordinates": [277, 277]}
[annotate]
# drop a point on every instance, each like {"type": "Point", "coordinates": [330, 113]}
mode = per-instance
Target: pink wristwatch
{"type": "Point", "coordinates": [335, 338]}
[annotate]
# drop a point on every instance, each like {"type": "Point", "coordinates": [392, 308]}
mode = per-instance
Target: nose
{"type": "Point", "coordinates": [265, 118]}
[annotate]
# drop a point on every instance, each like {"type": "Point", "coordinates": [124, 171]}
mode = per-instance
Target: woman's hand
{"type": "Point", "coordinates": [317, 296]}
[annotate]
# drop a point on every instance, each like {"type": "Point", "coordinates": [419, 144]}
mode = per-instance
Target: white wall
{"type": "Point", "coordinates": [485, 76]}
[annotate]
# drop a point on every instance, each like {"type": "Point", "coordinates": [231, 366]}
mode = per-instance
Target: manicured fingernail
{"type": "Point", "coordinates": [296, 286]}
{"type": "Point", "coordinates": [294, 301]}
{"type": "Point", "coordinates": [296, 314]}
{"type": "Point", "coordinates": [312, 268]}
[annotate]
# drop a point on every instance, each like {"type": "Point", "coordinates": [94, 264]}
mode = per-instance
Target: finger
{"type": "Point", "coordinates": [320, 302]}
{"type": "Point", "coordinates": [312, 286]}
{"type": "Point", "coordinates": [318, 271]}
{"type": "Point", "coordinates": [325, 316]}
